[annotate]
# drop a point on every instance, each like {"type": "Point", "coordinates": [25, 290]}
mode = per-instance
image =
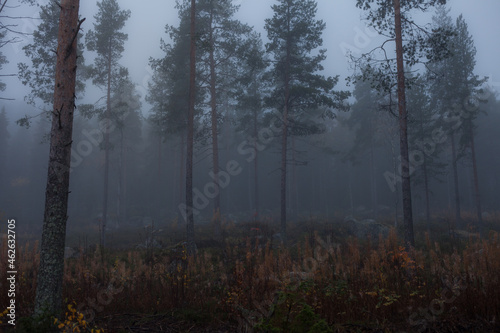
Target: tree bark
{"type": "Point", "coordinates": [426, 184]}
{"type": "Point", "coordinates": [106, 155]}
{"type": "Point", "coordinates": [373, 182]}
{"type": "Point", "coordinates": [403, 130]}
{"type": "Point", "coordinates": [284, 138]}
{"type": "Point", "coordinates": [181, 167]}
{"type": "Point", "coordinates": [458, 217]}
{"type": "Point", "coordinates": [191, 245]}
{"type": "Point", "coordinates": [48, 299]}
{"type": "Point", "coordinates": [122, 187]}
{"type": "Point", "coordinates": [256, 166]}
{"type": "Point", "coordinates": [476, 180]}
{"type": "Point", "coordinates": [215, 143]}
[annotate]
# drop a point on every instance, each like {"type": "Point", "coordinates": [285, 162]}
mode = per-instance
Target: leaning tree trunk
{"type": "Point", "coordinates": [48, 300]}
{"type": "Point", "coordinates": [403, 132]}
{"type": "Point", "coordinates": [191, 245]}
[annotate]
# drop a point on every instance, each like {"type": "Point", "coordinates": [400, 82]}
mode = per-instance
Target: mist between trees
{"type": "Point", "coordinates": [339, 163]}
{"type": "Point", "coordinates": [230, 129]}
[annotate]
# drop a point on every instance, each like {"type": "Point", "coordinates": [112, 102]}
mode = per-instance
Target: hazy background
{"type": "Point", "coordinates": [326, 186]}
{"type": "Point", "coordinates": [146, 27]}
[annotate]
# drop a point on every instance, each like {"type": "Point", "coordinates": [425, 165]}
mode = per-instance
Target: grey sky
{"type": "Point", "coordinates": [148, 19]}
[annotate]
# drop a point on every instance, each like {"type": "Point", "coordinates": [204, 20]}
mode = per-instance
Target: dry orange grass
{"type": "Point", "coordinates": [375, 283]}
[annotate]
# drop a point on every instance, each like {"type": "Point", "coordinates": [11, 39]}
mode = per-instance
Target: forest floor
{"type": "Point", "coordinates": [323, 280]}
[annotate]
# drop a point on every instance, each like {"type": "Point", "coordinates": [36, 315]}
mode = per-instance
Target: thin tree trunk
{"type": "Point", "coordinates": [458, 216]}
{"type": "Point", "coordinates": [476, 180]}
{"type": "Point", "coordinates": [426, 184]}
{"type": "Point", "coordinates": [191, 245]}
{"type": "Point", "coordinates": [351, 201]}
{"type": "Point", "coordinates": [121, 180]}
{"type": "Point", "coordinates": [181, 167]}
{"type": "Point", "coordinates": [403, 128]}
{"type": "Point", "coordinates": [293, 188]}
{"type": "Point", "coordinates": [373, 182]}
{"type": "Point", "coordinates": [215, 143]}
{"type": "Point", "coordinates": [256, 166]}
{"type": "Point", "coordinates": [106, 156]}
{"type": "Point", "coordinates": [284, 133]}
{"type": "Point", "coordinates": [426, 189]}
{"type": "Point", "coordinates": [48, 299]}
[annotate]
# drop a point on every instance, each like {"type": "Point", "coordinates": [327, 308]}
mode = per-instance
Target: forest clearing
{"type": "Point", "coordinates": [324, 281]}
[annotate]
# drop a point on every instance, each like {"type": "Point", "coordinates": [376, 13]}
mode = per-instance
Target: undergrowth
{"type": "Point", "coordinates": [313, 285]}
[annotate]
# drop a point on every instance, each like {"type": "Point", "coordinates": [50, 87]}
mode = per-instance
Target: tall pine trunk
{"type": "Point", "coordinates": [403, 130]}
{"type": "Point", "coordinates": [182, 166]}
{"type": "Point", "coordinates": [106, 155]}
{"type": "Point", "coordinates": [122, 187]}
{"type": "Point", "coordinates": [426, 183]}
{"type": "Point", "coordinates": [191, 245]}
{"type": "Point", "coordinates": [256, 167]}
{"type": "Point", "coordinates": [284, 138]}
{"type": "Point", "coordinates": [215, 143]}
{"type": "Point", "coordinates": [283, 166]}
{"type": "Point", "coordinates": [48, 299]}
{"type": "Point", "coordinates": [458, 217]}
{"type": "Point", "coordinates": [476, 180]}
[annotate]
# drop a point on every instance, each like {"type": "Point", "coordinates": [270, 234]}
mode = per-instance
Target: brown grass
{"type": "Point", "coordinates": [314, 281]}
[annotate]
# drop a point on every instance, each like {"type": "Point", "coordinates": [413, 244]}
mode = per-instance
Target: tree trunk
{"type": "Point", "coordinates": [48, 300]}
{"type": "Point", "coordinates": [476, 180]}
{"type": "Point", "coordinates": [293, 193]}
{"type": "Point", "coordinates": [458, 217]}
{"type": "Point", "coordinates": [284, 138]}
{"type": "Point", "coordinates": [181, 168]}
{"type": "Point", "coordinates": [283, 165]}
{"type": "Point", "coordinates": [403, 128]}
{"type": "Point", "coordinates": [373, 182]}
{"type": "Point", "coordinates": [426, 184]}
{"type": "Point", "coordinates": [191, 245]}
{"type": "Point", "coordinates": [106, 155]}
{"type": "Point", "coordinates": [122, 198]}
{"type": "Point", "coordinates": [256, 163]}
{"type": "Point", "coordinates": [215, 143]}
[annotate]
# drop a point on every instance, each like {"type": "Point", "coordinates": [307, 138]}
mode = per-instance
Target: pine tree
{"type": "Point", "coordinates": [249, 93]}
{"type": "Point", "coordinates": [364, 120]}
{"type": "Point", "coordinates": [39, 75]}
{"type": "Point", "coordinates": [190, 236]}
{"type": "Point", "coordinates": [48, 301]}
{"type": "Point", "coordinates": [456, 93]}
{"type": "Point", "coordinates": [391, 18]}
{"type": "Point", "coordinates": [169, 91]}
{"type": "Point", "coordinates": [294, 35]}
{"type": "Point", "coordinates": [220, 47]}
{"type": "Point", "coordinates": [422, 125]}
{"type": "Point", "coordinates": [107, 41]}
{"type": "Point", "coordinates": [125, 116]}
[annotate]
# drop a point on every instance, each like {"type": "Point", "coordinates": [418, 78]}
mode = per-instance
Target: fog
{"type": "Point", "coordinates": [249, 166]}
{"type": "Point", "coordinates": [323, 183]}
